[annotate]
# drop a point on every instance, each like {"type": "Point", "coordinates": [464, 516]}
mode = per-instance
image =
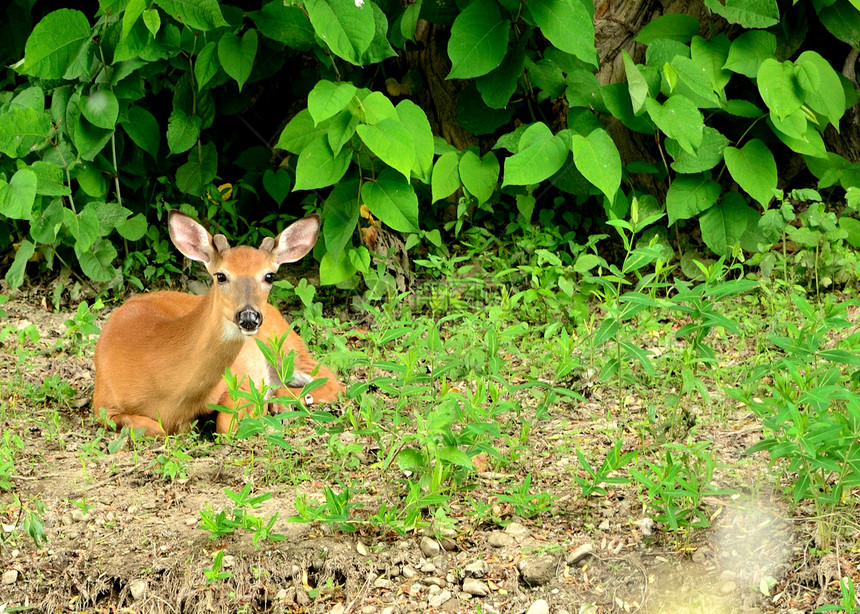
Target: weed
{"type": "Point", "coordinates": [214, 573]}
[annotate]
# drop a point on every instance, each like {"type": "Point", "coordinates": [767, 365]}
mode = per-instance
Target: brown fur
{"type": "Point", "coordinates": [161, 356]}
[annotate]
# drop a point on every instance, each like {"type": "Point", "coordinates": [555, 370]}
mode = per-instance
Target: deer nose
{"type": "Point", "coordinates": [248, 319]}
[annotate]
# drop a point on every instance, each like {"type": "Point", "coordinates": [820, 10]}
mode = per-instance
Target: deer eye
{"type": "Point", "coordinates": [220, 277]}
{"type": "Point", "coordinates": [269, 277]}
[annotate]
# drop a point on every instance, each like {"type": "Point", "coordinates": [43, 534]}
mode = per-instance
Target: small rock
{"type": "Point", "coordinates": [434, 581]}
{"type": "Point", "coordinates": [728, 574]}
{"type": "Point", "coordinates": [132, 509]}
{"type": "Point", "coordinates": [429, 547]}
{"type": "Point", "coordinates": [437, 600]}
{"type": "Point", "coordinates": [190, 521]}
{"type": "Point", "coordinates": [646, 526]}
{"type": "Point", "coordinates": [475, 587]}
{"type": "Point", "coordinates": [539, 607]}
{"type": "Point", "coordinates": [577, 556]}
{"type": "Point", "coordinates": [499, 539]}
{"type": "Point", "coordinates": [450, 579]}
{"type": "Point", "coordinates": [228, 561]}
{"type": "Point", "coordinates": [361, 549]}
{"type": "Point", "coordinates": [388, 610]}
{"type": "Point", "coordinates": [281, 595]}
{"type": "Point", "coordinates": [368, 609]}
{"type": "Point", "coordinates": [434, 590]}
{"type": "Point", "coordinates": [478, 569]}
{"type": "Point", "coordinates": [382, 583]}
{"type": "Point", "coordinates": [137, 588]}
{"type": "Point", "coordinates": [604, 526]}
{"type": "Point", "coordinates": [67, 520]}
{"type": "Point", "coordinates": [79, 516]}
{"type": "Point", "coordinates": [408, 572]}
{"type": "Point", "coordinates": [516, 530]}
{"type": "Point", "coordinates": [10, 576]}
{"type": "Point", "coordinates": [728, 587]}
{"type": "Point", "coordinates": [428, 568]}
{"type": "Point", "coordinates": [698, 557]}
{"type": "Point", "coordinates": [448, 544]}
{"type": "Point", "coordinates": [339, 608]}
{"type": "Point", "coordinates": [539, 569]}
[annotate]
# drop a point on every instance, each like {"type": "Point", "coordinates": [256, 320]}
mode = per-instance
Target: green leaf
{"type": "Point", "coordinates": [299, 133]}
{"type": "Point", "coordinates": [497, 86]}
{"type": "Point", "coordinates": [707, 156]}
{"type": "Point", "coordinates": [133, 228]}
{"type": "Point", "coordinates": [327, 99]}
{"type": "Point", "coordinates": [391, 142]}
{"type": "Point", "coordinates": [344, 27]}
{"type": "Point", "coordinates": [23, 130]}
{"type": "Point", "coordinates": [539, 156]}
{"type": "Point", "coordinates": [597, 158]}
{"type": "Point", "coordinates": [392, 199]}
{"type": "Point", "coordinates": [694, 83]}
{"type": "Point", "coordinates": [416, 123]}
{"type": "Point", "coordinates": [754, 168]}
{"type": "Point", "coordinates": [842, 20]}
{"type": "Point", "coordinates": [454, 456]}
{"type": "Point", "coordinates": [679, 119]}
{"type": "Point", "coordinates": [182, 131]}
{"type": "Point", "coordinates": [476, 117]}
{"type": "Point", "coordinates": [201, 168]}
{"type": "Point", "coordinates": [133, 10]}
{"type": "Point", "coordinates": [277, 184]}
{"type": "Point", "coordinates": [206, 65]}
{"type": "Point", "coordinates": [45, 227]}
{"type": "Point", "coordinates": [50, 180]}
{"type": "Point", "coordinates": [142, 127]}
{"type": "Point", "coordinates": [101, 109]}
{"type": "Point", "coordinates": [479, 40]}
{"type": "Point", "coordinates": [340, 215]}
{"type": "Point", "coordinates": [410, 20]}
{"type": "Point", "coordinates": [636, 83]}
{"type": "Point", "coordinates": [778, 86]}
{"type": "Point", "coordinates": [828, 97]}
{"type": "Point", "coordinates": [199, 14]}
{"type": "Point", "coordinates": [567, 25]}
{"type": "Point", "coordinates": [285, 24]}
{"type": "Point", "coordinates": [810, 145]}
{"type": "Point", "coordinates": [723, 224]}
{"type": "Point", "coordinates": [17, 196]}
{"type": "Point", "coordinates": [748, 13]}
{"type": "Point", "coordinates": [852, 227]}
{"type": "Point", "coordinates": [335, 271]}
{"type": "Point", "coordinates": [479, 175]}
{"type": "Point", "coordinates": [446, 176]}
{"type": "Point", "coordinates": [237, 55]}
{"type": "Point", "coordinates": [711, 56]}
{"type": "Point", "coordinates": [340, 130]}
{"type": "Point", "coordinates": [89, 139]}
{"type": "Point", "coordinates": [749, 50]}
{"type": "Point", "coordinates": [379, 49]}
{"type": "Point", "coordinates": [84, 226]}
{"type": "Point", "coordinates": [152, 21]}
{"type": "Point", "coordinates": [689, 195]}
{"type": "Point", "coordinates": [15, 274]}
{"type": "Point", "coordinates": [54, 45]}
{"type": "Point", "coordinates": [319, 167]}
{"type": "Point", "coordinates": [674, 26]}
{"type": "Point", "coordinates": [96, 262]}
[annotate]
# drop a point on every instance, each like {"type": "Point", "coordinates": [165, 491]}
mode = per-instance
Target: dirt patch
{"type": "Point", "coordinates": [124, 531]}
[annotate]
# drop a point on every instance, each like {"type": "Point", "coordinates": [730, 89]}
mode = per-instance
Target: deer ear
{"type": "Point", "coordinates": [296, 240]}
{"type": "Point", "coordinates": [190, 238]}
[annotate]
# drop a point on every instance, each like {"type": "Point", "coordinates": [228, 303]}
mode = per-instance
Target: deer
{"type": "Point", "coordinates": [161, 356]}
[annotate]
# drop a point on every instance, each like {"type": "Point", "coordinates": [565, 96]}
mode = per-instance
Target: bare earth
{"type": "Point", "coordinates": [123, 537]}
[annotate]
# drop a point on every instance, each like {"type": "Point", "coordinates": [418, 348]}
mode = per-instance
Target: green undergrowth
{"type": "Point", "coordinates": [485, 395]}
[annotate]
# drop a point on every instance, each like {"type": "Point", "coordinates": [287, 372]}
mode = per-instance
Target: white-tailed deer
{"type": "Point", "coordinates": [161, 357]}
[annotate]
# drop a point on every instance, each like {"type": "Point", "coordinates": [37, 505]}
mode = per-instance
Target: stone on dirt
{"type": "Point", "coordinates": [137, 588]}
{"type": "Point", "coordinates": [478, 569]}
{"type": "Point", "coordinates": [538, 570]}
{"type": "Point", "coordinates": [439, 598]}
{"type": "Point", "coordinates": [577, 556]}
{"type": "Point", "coordinates": [498, 539]}
{"type": "Point", "coordinates": [539, 607]}
{"type": "Point", "coordinates": [475, 587]}
{"type": "Point", "coordinates": [429, 547]}
{"type": "Point", "coordinates": [10, 576]}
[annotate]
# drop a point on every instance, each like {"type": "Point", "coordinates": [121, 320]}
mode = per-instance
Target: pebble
{"type": "Point", "coordinates": [382, 583]}
{"type": "Point", "coordinates": [646, 526]}
{"type": "Point", "coordinates": [408, 572]}
{"type": "Point", "coordinates": [428, 568]}
{"type": "Point", "coordinates": [79, 516]}
{"type": "Point", "coordinates": [368, 609]}
{"type": "Point", "coordinates": [448, 544]}
{"type": "Point", "coordinates": [281, 595]}
{"type": "Point", "coordinates": [604, 526]}
{"type": "Point", "coordinates": [437, 600]}
{"type": "Point", "coordinates": [728, 587]}
{"type": "Point", "coordinates": [577, 556]}
{"type": "Point", "coordinates": [434, 590]}
{"type": "Point", "coordinates": [539, 569]}
{"type": "Point", "coordinates": [516, 530]}
{"type": "Point", "coordinates": [339, 608]}
{"type": "Point", "coordinates": [478, 569]}
{"type": "Point", "coordinates": [388, 610]}
{"type": "Point", "coordinates": [475, 587]}
{"type": "Point", "coordinates": [67, 519]}
{"type": "Point", "coordinates": [434, 581]}
{"type": "Point", "coordinates": [429, 547]}
{"type": "Point", "coordinates": [10, 576]}
{"type": "Point", "coordinates": [137, 588]}
{"type": "Point", "coordinates": [698, 557]}
{"type": "Point", "coordinates": [500, 540]}
{"type": "Point", "coordinates": [228, 561]}
{"type": "Point", "coordinates": [539, 607]}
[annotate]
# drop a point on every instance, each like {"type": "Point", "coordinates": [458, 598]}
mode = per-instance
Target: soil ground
{"type": "Point", "coordinates": [123, 537]}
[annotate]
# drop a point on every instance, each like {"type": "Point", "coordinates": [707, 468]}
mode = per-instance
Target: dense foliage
{"type": "Point", "coordinates": [107, 119]}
